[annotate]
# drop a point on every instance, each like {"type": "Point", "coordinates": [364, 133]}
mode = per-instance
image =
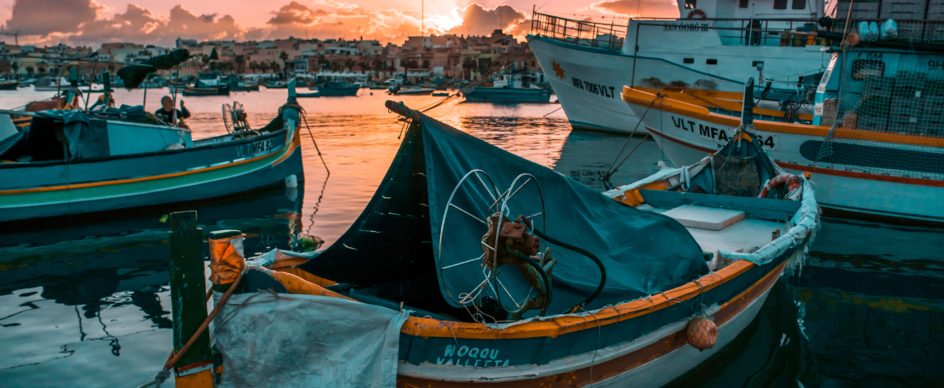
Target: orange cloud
{"type": "Point", "coordinates": [651, 8]}
{"type": "Point", "coordinates": [479, 21]}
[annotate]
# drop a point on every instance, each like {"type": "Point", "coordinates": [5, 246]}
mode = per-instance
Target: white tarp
{"type": "Point", "coordinates": [272, 339]}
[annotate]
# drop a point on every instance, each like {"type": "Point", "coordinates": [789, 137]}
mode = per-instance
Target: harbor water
{"type": "Point", "coordinates": [85, 300]}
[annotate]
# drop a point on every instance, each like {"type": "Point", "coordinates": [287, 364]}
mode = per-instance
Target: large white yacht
{"type": "Point", "coordinates": [714, 45]}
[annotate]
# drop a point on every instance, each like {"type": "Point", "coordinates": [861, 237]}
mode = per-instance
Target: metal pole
{"type": "Point", "coordinates": [188, 290]}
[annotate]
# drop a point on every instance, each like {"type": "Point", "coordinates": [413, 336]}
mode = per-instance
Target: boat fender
{"type": "Point", "coordinates": [291, 181]}
{"type": "Point", "coordinates": [792, 182]}
{"type": "Point", "coordinates": [701, 333]}
{"type": "Point", "coordinates": [697, 14]}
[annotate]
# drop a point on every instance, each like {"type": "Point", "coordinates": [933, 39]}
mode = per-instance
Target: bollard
{"type": "Point", "coordinates": [188, 304]}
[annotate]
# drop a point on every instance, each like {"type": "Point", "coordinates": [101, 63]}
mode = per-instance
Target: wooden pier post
{"type": "Point", "coordinates": [188, 304]}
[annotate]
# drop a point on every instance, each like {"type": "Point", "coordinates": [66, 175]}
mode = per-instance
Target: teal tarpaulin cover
{"type": "Point", "coordinates": [420, 228]}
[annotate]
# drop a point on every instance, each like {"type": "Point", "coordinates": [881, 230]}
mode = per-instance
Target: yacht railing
{"type": "Point", "coordinates": [607, 36]}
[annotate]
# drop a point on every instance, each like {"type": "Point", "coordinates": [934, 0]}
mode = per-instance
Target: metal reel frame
{"type": "Point", "coordinates": [499, 204]}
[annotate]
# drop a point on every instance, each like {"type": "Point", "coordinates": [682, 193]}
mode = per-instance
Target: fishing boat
{"type": "Point", "coordinates": [873, 137]}
{"type": "Point", "coordinates": [471, 265]}
{"type": "Point", "coordinates": [509, 87]}
{"type": "Point", "coordinates": [9, 84]}
{"type": "Point", "coordinates": [399, 90]}
{"type": "Point", "coordinates": [276, 84]}
{"type": "Point", "coordinates": [714, 45]}
{"type": "Point", "coordinates": [47, 84]}
{"type": "Point", "coordinates": [336, 89]}
{"type": "Point", "coordinates": [128, 160]}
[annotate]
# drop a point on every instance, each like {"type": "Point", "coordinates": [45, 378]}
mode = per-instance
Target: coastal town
{"type": "Point", "coordinates": [433, 59]}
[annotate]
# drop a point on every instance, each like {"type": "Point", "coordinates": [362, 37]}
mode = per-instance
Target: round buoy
{"type": "Point", "coordinates": [852, 38]}
{"type": "Point", "coordinates": [702, 333]}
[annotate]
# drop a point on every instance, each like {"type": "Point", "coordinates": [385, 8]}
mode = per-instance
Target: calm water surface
{"type": "Point", "coordinates": [84, 301]}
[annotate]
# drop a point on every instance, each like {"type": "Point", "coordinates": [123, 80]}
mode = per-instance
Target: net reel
{"type": "Point", "coordinates": [235, 119]}
{"type": "Point", "coordinates": [516, 274]}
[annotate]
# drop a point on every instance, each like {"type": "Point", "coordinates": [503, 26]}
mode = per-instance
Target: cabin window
{"type": "Point", "coordinates": [711, 61]}
{"type": "Point", "coordinates": [688, 60]}
{"type": "Point", "coordinates": [799, 4]}
{"type": "Point", "coordinates": [743, 3]}
{"type": "Point", "coordinates": [780, 4]}
{"type": "Point", "coordinates": [867, 68]}
{"type": "Point", "coordinates": [691, 4]}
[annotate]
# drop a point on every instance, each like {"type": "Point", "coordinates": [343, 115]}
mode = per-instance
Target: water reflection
{"type": "Point", "coordinates": [93, 292]}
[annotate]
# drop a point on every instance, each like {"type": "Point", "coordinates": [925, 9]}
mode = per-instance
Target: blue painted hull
{"type": "Point", "coordinates": [50, 189]}
{"type": "Point", "coordinates": [508, 95]}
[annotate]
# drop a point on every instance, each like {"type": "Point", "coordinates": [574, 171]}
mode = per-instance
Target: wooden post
{"type": "Point", "coordinates": [187, 293]}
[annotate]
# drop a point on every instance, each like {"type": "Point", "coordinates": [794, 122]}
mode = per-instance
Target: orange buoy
{"type": "Point", "coordinates": [702, 333]}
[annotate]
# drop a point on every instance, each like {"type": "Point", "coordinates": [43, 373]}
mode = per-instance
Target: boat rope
{"type": "Point", "coordinates": [175, 357]}
{"type": "Point", "coordinates": [552, 112]}
{"type": "Point", "coordinates": [826, 148]}
{"type": "Point", "coordinates": [312, 135]}
{"type": "Point", "coordinates": [618, 162]}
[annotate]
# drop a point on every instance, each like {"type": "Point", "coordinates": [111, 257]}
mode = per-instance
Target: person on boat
{"type": "Point", "coordinates": [166, 113]}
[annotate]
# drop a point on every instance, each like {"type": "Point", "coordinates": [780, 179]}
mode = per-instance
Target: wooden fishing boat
{"type": "Point", "coordinates": [509, 87]}
{"type": "Point", "coordinates": [9, 84]}
{"type": "Point", "coordinates": [100, 165]}
{"type": "Point", "coordinates": [471, 265]}
{"type": "Point", "coordinates": [873, 137]}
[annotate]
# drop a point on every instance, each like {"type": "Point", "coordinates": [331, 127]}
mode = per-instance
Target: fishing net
{"type": "Point", "coordinates": [894, 99]}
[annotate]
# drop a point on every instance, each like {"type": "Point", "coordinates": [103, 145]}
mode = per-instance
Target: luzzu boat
{"type": "Point", "coordinates": [60, 163]}
{"type": "Point", "coordinates": [471, 265]}
{"type": "Point", "coordinates": [874, 141]}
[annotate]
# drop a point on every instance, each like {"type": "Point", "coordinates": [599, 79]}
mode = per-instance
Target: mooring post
{"type": "Point", "coordinates": [188, 303]}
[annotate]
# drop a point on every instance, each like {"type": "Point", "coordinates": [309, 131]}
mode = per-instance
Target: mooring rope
{"type": "Point", "coordinates": [614, 166]}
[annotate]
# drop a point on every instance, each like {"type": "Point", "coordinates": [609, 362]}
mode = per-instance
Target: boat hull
{"type": "Point", "coordinates": [62, 189]}
{"type": "Point", "coordinates": [640, 349]}
{"type": "Point", "coordinates": [508, 95]}
{"type": "Point", "coordinates": [198, 92]}
{"type": "Point", "coordinates": [902, 195]}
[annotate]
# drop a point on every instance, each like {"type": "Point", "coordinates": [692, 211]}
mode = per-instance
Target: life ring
{"type": "Point", "coordinates": [792, 182]}
{"type": "Point", "coordinates": [697, 14]}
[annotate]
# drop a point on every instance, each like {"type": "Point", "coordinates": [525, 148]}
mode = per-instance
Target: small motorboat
{"type": "Point", "coordinates": [222, 90]}
{"type": "Point", "coordinates": [64, 162]}
{"type": "Point", "coordinates": [336, 89]}
{"type": "Point", "coordinates": [509, 87]}
{"type": "Point", "coordinates": [398, 90]}
{"type": "Point", "coordinates": [471, 265]}
{"type": "Point", "coordinates": [9, 84]}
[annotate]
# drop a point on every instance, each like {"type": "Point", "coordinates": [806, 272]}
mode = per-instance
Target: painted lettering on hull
{"type": "Point", "coordinates": [721, 135]}
{"type": "Point", "coordinates": [594, 88]}
{"type": "Point", "coordinates": [471, 356]}
{"type": "Point", "coordinates": [255, 148]}
{"type": "Point", "coordinates": [686, 27]}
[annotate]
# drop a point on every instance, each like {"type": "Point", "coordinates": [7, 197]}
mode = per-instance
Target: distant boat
{"type": "Point", "coordinates": [211, 91]}
{"type": "Point", "coordinates": [509, 87]}
{"type": "Point", "coordinates": [46, 84]}
{"type": "Point", "coordinates": [278, 84]}
{"type": "Point", "coordinates": [337, 89]}
{"type": "Point", "coordinates": [9, 85]}
{"type": "Point", "coordinates": [409, 90]}
{"type": "Point", "coordinates": [98, 165]}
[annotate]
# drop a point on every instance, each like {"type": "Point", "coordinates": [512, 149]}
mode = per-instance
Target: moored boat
{"type": "Point", "coordinates": [714, 45]}
{"type": "Point", "coordinates": [209, 91]}
{"type": "Point", "coordinates": [398, 90]}
{"type": "Point", "coordinates": [509, 87]}
{"type": "Point", "coordinates": [336, 89]}
{"type": "Point", "coordinates": [874, 141]}
{"type": "Point", "coordinates": [474, 266]}
{"type": "Point", "coordinates": [9, 84]}
{"type": "Point", "coordinates": [101, 165]}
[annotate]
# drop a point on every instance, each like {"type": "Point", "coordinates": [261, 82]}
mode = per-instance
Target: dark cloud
{"type": "Point", "coordinates": [479, 21]}
{"type": "Point", "coordinates": [137, 24]}
{"type": "Point", "coordinates": [651, 8]}
{"type": "Point", "coordinates": [41, 17]}
{"type": "Point", "coordinates": [296, 13]}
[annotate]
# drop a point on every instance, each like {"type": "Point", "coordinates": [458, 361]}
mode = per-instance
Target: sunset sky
{"type": "Point", "coordinates": [92, 22]}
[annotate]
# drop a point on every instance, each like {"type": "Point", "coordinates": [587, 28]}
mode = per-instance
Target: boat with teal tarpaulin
{"type": "Point", "coordinates": [473, 266]}
{"type": "Point", "coordinates": [509, 87]}
{"type": "Point", "coordinates": [68, 162]}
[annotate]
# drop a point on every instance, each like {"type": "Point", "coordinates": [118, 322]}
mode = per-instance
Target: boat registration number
{"type": "Point", "coordinates": [255, 148]}
{"type": "Point", "coordinates": [721, 135]}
